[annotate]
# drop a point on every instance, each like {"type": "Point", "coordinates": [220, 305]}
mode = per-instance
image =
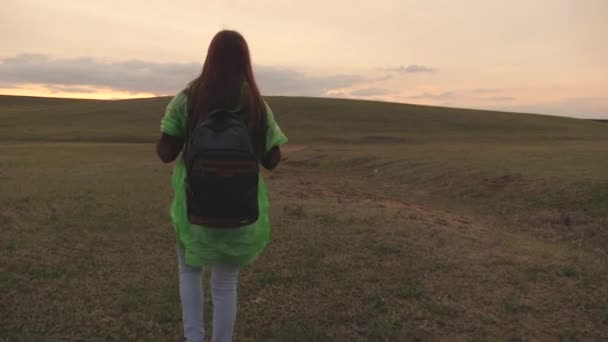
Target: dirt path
{"type": "Point", "coordinates": [464, 278]}
{"type": "Point", "coordinates": [416, 211]}
{"type": "Point", "coordinates": [289, 148]}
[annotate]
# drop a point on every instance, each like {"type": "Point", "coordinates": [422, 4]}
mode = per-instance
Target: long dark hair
{"type": "Point", "coordinates": [226, 74]}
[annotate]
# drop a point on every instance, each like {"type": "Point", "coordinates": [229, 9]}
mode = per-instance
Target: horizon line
{"type": "Point", "coordinates": [320, 97]}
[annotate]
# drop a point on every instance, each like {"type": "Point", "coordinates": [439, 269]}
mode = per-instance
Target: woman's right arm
{"type": "Point", "coordinates": [272, 158]}
{"type": "Point", "coordinates": [168, 147]}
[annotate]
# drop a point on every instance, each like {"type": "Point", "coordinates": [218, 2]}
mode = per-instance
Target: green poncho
{"type": "Point", "coordinates": [202, 245]}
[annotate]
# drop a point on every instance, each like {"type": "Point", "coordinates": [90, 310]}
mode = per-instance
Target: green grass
{"type": "Point", "coordinates": [512, 304]}
{"type": "Point", "coordinates": [409, 290]}
{"type": "Point", "coordinates": [458, 224]}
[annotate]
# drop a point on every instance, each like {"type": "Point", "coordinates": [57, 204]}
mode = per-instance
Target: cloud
{"type": "Point", "coordinates": [277, 81]}
{"type": "Point", "coordinates": [439, 96]}
{"type": "Point", "coordinates": [587, 99]}
{"type": "Point", "coordinates": [451, 95]}
{"type": "Point", "coordinates": [138, 76]}
{"type": "Point", "coordinates": [411, 69]}
{"type": "Point", "coordinates": [57, 88]}
{"type": "Point", "coordinates": [486, 90]}
{"type": "Point", "coordinates": [499, 98]}
{"type": "Point", "coordinates": [381, 78]}
{"type": "Point", "coordinates": [365, 92]}
{"type": "Point", "coordinates": [132, 76]}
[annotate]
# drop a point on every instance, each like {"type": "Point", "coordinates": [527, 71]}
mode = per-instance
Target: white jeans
{"type": "Point", "coordinates": [224, 280]}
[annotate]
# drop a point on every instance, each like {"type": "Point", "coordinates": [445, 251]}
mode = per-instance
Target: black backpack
{"type": "Point", "coordinates": [221, 172]}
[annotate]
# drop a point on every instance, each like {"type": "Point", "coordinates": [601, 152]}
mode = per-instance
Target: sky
{"type": "Point", "coordinates": [542, 56]}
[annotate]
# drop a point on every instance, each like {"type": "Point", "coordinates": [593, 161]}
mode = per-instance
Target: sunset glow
{"type": "Point", "coordinates": [532, 56]}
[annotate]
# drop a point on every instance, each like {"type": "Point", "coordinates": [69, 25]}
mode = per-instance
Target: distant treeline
{"type": "Point", "coordinates": [600, 120]}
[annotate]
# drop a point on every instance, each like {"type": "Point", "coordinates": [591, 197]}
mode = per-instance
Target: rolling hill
{"type": "Point", "coordinates": [390, 222]}
{"type": "Point", "coordinates": [308, 120]}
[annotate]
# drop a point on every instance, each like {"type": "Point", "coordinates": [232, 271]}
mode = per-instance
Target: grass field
{"type": "Point", "coordinates": [389, 223]}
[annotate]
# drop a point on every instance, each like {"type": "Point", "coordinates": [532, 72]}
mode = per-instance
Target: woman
{"type": "Point", "coordinates": [226, 82]}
